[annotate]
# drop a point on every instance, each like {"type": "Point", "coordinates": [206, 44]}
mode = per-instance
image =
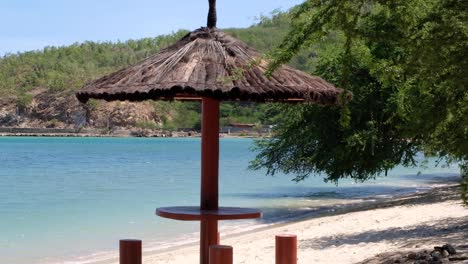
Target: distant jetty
{"type": "Point", "coordinates": [93, 132]}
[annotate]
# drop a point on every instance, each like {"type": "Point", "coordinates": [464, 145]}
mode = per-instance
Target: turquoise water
{"type": "Point", "coordinates": [71, 199]}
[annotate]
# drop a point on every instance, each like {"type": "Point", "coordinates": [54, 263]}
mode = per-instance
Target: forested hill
{"type": "Point", "coordinates": [37, 87]}
{"type": "Point", "coordinates": [68, 68]}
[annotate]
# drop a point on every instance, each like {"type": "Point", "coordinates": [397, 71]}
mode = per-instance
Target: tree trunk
{"type": "Point", "coordinates": [464, 181]}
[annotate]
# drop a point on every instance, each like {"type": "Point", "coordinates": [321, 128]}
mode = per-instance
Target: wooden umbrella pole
{"type": "Point", "coordinates": [212, 17]}
{"type": "Point", "coordinates": [209, 174]}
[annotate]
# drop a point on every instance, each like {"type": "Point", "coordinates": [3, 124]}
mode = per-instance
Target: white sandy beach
{"type": "Point", "coordinates": [419, 221]}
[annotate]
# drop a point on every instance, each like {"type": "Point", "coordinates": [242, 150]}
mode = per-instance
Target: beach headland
{"type": "Point", "coordinates": [352, 234]}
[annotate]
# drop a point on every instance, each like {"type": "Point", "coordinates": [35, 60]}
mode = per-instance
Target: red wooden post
{"type": "Point", "coordinates": [209, 174]}
{"type": "Point", "coordinates": [130, 251]}
{"type": "Point", "coordinates": [286, 249]}
{"type": "Point", "coordinates": [220, 254]}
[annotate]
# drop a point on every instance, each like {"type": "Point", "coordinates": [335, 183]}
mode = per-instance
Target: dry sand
{"type": "Point", "coordinates": [352, 236]}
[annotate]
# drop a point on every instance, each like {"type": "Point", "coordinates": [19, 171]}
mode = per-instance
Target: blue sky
{"type": "Point", "coordinates": [34, 24]}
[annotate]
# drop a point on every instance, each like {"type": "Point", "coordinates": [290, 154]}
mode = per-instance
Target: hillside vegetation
{"type": "Point", "coordinates": [57, 72]}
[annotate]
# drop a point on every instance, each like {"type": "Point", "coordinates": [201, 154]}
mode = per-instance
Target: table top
{"type": "Point", "coordinates": [194, 213]}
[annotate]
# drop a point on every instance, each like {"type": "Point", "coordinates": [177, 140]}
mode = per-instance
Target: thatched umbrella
{"type": "Point", "coordinates": [209, 65]}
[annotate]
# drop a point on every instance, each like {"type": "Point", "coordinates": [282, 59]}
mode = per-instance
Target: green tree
{"type": "Point", "coordinates": [310, 139]}
{"type": "Point", "coordinates": [405, 61]}
{"type": "Point", "coordinates": [23, 100]}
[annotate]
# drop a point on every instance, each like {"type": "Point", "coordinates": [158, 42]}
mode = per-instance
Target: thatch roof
{"type": "Point", "coordinates": [209, 62]}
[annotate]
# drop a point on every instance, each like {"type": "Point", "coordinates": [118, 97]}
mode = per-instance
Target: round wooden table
{"type": "Point", "coordinates": [194, 213]}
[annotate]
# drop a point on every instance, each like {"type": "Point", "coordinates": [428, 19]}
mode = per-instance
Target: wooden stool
{"type": "Point", "coordinates": [286, 249]}
{"type": "Point", "coordinates": [130, 251]}
{"type": "Point", "coordinates": [220, 254]}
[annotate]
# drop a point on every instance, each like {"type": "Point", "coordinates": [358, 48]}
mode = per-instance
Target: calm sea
{"type": "Point", "coordinates": [69, 200]}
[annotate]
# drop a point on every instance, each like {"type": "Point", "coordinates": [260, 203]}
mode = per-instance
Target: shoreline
{"type": "Point", "coordinates": [82, 135]}
{"type": "Point", "coordinates": [119, 133]}
{"type": "Point", "coordinates": [437, 196]}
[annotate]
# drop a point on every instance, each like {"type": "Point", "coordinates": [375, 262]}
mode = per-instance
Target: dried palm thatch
{"type": "Point", "coordinates": [208, 62]}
